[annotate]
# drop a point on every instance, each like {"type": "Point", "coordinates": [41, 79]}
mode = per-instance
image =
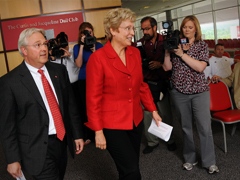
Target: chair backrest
{"type": "Point", "coordinates": [219, 97]}
{"type": "Point", "coordinates": [210, 55]}
{"type": "Point", "coordinates": [237, 52]}
{"type": "Point", "coordinates": [237, 56]}
{"type": "Point", "coordinates": [226, 54]}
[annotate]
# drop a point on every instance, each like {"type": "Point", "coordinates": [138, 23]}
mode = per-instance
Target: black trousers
{"type": "Point", "coordinates": [124, 147]}
{"type": "Point", "coordinates": [88, 133]}
{"type": "Point", "coordinates": [56, 160]}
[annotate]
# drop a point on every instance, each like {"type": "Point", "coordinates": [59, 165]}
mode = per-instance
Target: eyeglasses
{"type": "Point", "coordinates": [39, 45]}
{"type": "Point", "coordinates": [129, 28]}
{"type": "Point", "coordinates": [146, 29]}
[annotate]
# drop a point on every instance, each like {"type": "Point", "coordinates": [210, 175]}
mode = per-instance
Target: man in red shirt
{"type": "Point", "coordinates": [152, 52]}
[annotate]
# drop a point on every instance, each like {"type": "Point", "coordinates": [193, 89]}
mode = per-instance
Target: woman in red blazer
{"type": "Point", "coordinates": [115, 92]}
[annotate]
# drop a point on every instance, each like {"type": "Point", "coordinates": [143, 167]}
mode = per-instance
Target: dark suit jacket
{"type": "Point", "coordinates": [114, 92]}
{"type": "Point", "coordinates": [24, 119]}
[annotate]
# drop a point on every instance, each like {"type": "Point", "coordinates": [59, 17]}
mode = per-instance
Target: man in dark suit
{"type": "Point", "coordinates": [31, 137]}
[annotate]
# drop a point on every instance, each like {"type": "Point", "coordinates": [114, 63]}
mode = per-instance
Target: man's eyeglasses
{"type": "Point", "coordinates": [38, 45]}
{"type": "Point", "coordinates": [128, 28]}
{"type": "Point", "coordinates": [146, 29]}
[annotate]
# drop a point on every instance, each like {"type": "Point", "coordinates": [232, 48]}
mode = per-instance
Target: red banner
{"type": "Point", "coordinates": [68, 23]}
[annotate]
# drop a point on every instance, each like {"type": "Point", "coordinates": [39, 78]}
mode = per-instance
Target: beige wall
{"type": "Point", "coordinates": [91, 4]}
{"type": "Point", "coordinates": [19, 8]}
{"type": "Point", "coordinates": [14, 59]}
{"type": "Point", "coordinates": [3, 67]}
{"type": "Point", "coordinates": [10, 9]}
{"type": "Point", "coordinates": [97, 22]}
{"type": "Point", "coordinates": [52, 6]}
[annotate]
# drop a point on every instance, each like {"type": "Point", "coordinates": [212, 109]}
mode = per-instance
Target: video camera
{"type": "Point", "coordinates": [56, 52]}
{"type": "Point", "coordinates": [89, 40]}
{"type": "Point", "coordinates": [172, 37]}
{"type": "Point", "coordinates": [62, 40]}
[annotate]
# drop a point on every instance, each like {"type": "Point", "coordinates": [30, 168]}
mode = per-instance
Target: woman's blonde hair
{"type": "Point", "coordinates": [115, 17]}
{"type": "Point", "coordinates": [198, 34]}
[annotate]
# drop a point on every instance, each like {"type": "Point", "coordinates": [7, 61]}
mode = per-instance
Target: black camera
{"type": "Point", "coordinates": [89, 40]}
{"type": "Point", "coordinates": [145, 58]}
{"type": "Point", "coordinates": [62, 40]}
{"type": "Point", "coordinates": [54, 47]}
{"type": "Point", "coordinates": [172, 38]}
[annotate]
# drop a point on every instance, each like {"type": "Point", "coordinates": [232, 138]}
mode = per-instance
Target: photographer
{"type": "Point", "coordinates": [59, 52]}
{"type": "Point", "coordinates": [190, 93]}
{"type": "Point", "coordinates": [86, 46]}
{"type": "Point", "coordinates": [151, 48]}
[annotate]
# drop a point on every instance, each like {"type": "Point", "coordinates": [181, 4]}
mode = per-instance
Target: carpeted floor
{"type": "Point", "coordinates": [94, 164]}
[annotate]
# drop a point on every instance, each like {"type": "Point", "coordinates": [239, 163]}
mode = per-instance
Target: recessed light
{"type": "Point", "coordinates": [145, 7]}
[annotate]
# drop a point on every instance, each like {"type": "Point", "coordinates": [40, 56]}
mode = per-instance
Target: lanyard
{"type": "Point", "coordinates": [155, 46]}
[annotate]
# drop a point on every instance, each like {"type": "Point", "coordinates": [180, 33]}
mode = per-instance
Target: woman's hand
{"type": "Point", "coordinates": [167, 65]}
{"type": "Point", "coordinates": [156, 117]}
{"type": "Point", "coordinates": [100, 140]}
{"type": "Point", "coordinates": [66, 53]}
{"type": "Point", "coordinates": [178, 51]}
{"type": "Point", "coordinates": [83, 38]}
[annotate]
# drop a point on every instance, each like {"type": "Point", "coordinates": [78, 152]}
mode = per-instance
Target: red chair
{"type": "Point", "coordinates": [226, 54]}
{"type": "Point", "coordinates": [235, 43]}
{"type": "Point", "coordinates": [225, 43]}
{"type": "Point", "coordinates": [237, 52]}
{"type": "Point", "coordinates": [210, 55]}
{"type": "Point", "coordinates": [230, 43]}
{"type": "Point", "coordinates": [222, 108]}
{"type": "Point", "coordinates": [237, 56]}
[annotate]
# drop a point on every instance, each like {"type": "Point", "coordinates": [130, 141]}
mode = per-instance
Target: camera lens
{"type": "Point", "coordinates": [165, 25]}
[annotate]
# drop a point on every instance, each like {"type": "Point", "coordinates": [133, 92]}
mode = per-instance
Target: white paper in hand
{"type": "Point", "coordinates": [21, 178]}
{"type": "Point", "coordinates": [163, 131]}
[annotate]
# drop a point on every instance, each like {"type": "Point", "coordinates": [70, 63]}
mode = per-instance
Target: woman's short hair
{"type": "Point", "coordinates": [115, 17]}
{"type": "Point", "coordinates": [22, 40]}
{"type": "Point", "coordinates": [198, 35]}
{"type": "Point", "coordinates": [82, 27]}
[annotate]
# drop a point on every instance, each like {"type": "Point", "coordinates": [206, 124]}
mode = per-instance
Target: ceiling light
{"type": "Point", "coordinates": [145, 7]}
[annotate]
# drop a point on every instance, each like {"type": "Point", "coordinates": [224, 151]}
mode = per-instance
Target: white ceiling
{"type": "Point", "coordinates": [154, 6]}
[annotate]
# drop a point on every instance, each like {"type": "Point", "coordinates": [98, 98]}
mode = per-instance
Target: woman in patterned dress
{"type": "Point", "coordinates": [190, 93]}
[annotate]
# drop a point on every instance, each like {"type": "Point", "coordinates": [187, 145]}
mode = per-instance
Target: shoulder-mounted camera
{"type": "Point", "coordinates": [53, 48]}
{"type": "Point", "coordinates": [172, 38]}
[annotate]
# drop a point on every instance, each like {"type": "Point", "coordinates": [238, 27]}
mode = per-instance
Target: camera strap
{"type": "Point", "coordinates": [155, 45]}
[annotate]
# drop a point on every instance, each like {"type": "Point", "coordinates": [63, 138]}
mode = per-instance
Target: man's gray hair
{"type": "Point", "coordinates": [22, 41]}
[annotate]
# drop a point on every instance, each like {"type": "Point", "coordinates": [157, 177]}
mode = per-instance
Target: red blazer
{"type": "Point", "coordinates": [114, 92]}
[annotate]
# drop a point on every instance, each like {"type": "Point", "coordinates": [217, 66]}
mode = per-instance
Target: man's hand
{"type": "Point", "coordinates": [154, 65]}
{"type": "Point", "coordinates": [14, 169]}
{"type": "Point", "coordinates": [215, 78]}
{"type": "Point", "coordinates": [79, 145]}
{"type": "Point", "coordinates": [236, 60]}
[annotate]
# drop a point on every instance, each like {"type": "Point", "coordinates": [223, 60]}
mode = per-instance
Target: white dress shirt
{"type": "Point", "coordinates": [37, 78]}
{"type": "Point", "coordinates": [219, 66]}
